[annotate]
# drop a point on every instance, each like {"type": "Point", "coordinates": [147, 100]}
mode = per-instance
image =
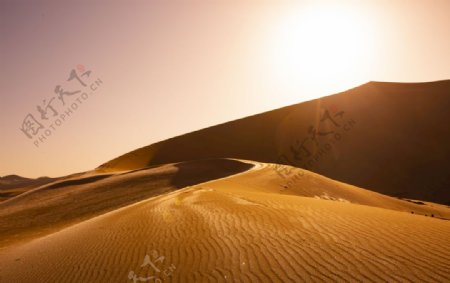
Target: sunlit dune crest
{"type": "Point", "coordinates": [249, 227]}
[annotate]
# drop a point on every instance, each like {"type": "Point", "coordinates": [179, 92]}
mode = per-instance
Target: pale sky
{"type": "Point", "coordinates": [168, 68]}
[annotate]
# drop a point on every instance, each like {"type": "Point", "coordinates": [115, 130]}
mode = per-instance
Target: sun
{"type": "Point", "coordinates": [322, 47]}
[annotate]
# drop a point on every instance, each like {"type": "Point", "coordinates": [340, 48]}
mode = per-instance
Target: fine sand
{"type": "Point", "coordinates": [219, 221]}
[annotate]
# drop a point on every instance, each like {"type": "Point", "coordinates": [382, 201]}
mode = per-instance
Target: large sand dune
{"type": "Point", "coordinates": [195, 209]}
{"type": "Point", "coordinates": [270, 223]}
{"type": "Point", "coordinates": [392, 138]}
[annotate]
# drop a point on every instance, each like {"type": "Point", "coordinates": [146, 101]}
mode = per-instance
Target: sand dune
{"type": "Point", "coordinates": [268, 224]}
{"type": "Point", "coordinates": [13, 185]}
{"type": "Point", "coordinates": [392, 138]}
{"type": "Point", "coordinates": [186, 210]}
{"type": "Point", "coordinates": [79, 197]}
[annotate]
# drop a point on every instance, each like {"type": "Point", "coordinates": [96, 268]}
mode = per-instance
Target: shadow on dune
{"type": "Point", "coordinates": [194, 172]}
{"type": "Point", "coordinates": [59, 205]}
{"type": "Point", "coordinates": [391, 138]}
{"type": "Point", "coordinates": [75, 182]}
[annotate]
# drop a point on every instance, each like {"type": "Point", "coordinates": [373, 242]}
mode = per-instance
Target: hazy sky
{"type": "Point", "coordinates": [167, 68]}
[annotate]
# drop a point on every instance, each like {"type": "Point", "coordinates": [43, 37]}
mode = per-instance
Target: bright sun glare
{"type": "Point", "coordinates": [322, 48]}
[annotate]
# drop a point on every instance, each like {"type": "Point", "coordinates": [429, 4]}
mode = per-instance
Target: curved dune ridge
{"type": "Point", "coordinates": [79, 197]}
{"type": "Point", "coordinates": [391, 138]}
{"type": "Point", "coordinates": [255, 223]}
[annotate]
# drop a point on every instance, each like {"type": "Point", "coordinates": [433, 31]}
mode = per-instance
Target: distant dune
{"type": "Point", "coordinates": [13, 185]}
{"type": "Point", "coordinates": [392, 138]}
{"type": "Point", "coordinates": [219, 221]}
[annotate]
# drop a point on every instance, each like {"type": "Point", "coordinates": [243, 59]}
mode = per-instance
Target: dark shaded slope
{"type": "Point", "coordinates": [392, 138]}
